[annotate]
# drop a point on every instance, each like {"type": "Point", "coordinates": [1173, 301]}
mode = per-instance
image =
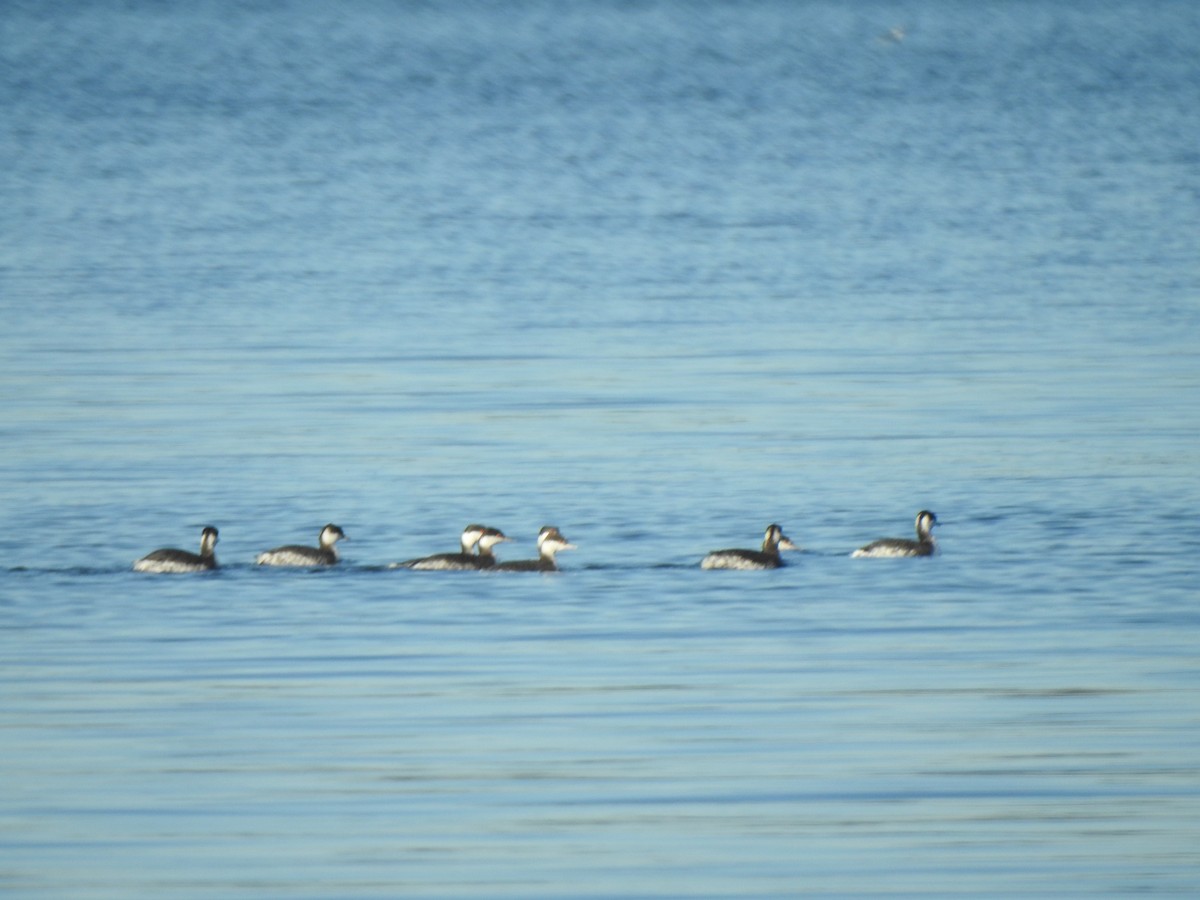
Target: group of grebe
{"type": "Point", "coordinates": [169, 560]}
{"type": "Point", "coordinates": [775, 540]}
{"type": "Point", "coordinates": [477, 542]}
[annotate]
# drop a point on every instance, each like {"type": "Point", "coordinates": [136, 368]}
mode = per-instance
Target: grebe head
{"type": "Point", "coordinates": [776, 539]}
{"type": "Point", "coordinates": [551, 540]}
{"type": "Point", "coordinates": [470, 537]}
{"type": "Point", "coordinates": [330, 535]}
{"type": "Point", "coordinates": [490, 537]}
{"type": "Point", "coordinates": [925, 522]}
{"type": "Point", "coordinates": [208, 540]}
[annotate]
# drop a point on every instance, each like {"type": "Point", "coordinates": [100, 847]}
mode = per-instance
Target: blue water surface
{"type": "Point", "coordinates": [660, 274]}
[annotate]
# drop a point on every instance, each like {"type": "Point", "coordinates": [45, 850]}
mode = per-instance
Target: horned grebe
{"type": "Point", "coordinates": [774, 540]}
{"type": "Point", "coordinates": [924, 545]}
{"type": "Point", "coordinates": [171, 560]}
{"type": "Point", "coordinates": [295, 555]}
{"type": "Point", "coordinates": [453, 562]}
{"type": "Point", "coordinates": [549, 541]}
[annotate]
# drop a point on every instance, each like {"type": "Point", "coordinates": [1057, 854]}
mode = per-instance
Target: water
{"type": "Point", "coordinates": [659, 274]}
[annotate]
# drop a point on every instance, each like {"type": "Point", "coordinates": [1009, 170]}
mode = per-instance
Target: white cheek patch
{"type": "Point", "coordinates": [552, 545]}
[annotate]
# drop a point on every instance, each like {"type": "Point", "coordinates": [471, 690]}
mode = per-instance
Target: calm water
{"type": "Point", "coordinates": [658, 273]}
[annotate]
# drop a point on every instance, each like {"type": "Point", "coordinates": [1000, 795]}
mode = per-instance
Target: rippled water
{"type": "Point", "coordinates": [659, 274]}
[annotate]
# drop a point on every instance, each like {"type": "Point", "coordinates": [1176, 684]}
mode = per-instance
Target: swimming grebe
{"type": "Point", "coordinates": [171, 560]}
{"type": "Point", "coordinates": [295, 555]}
{"type": "Point", "coordinates": [924, 545]}
{"type": "Point", "coordinates": [774, 540]}
{"type": "Point", "coordinates": [549, 541]}
{"type": "Point", "coordinates": [452, 562]}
